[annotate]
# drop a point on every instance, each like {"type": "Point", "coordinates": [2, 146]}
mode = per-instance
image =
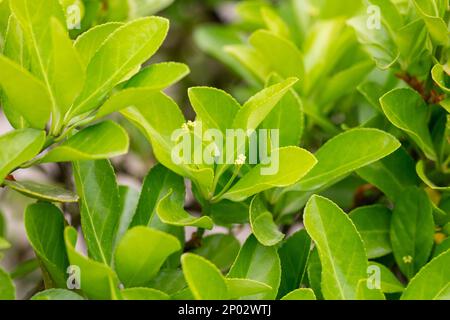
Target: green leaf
{"type": "Point", "coordinates": [392, 174]}
{"type": "Point", "coordinates": [43, 192]}
{"type": "Point", "coordinates": [90, 41]}
{"type": "Point", "coordinates": [366, 293]}
{"type": "Point", "coordinates": [220, 249]}
{"type": "Point", "coordinates": [129, 198]}
{"type": "Point", "coordinates": [258, 179]}
{"type": "Point", "coordinates": [35, 19]}
{"type": "Point", "coordinates": [215, 108]}
{"type": "Point", "coordinates": [57, 294]}
{"type": "Point", "coordinates": [16, 50]}
{"type": "Point", "coordinates": [156, 185]}
{"type": "Point", "coordinates": [441, 76]}
{"type": "Point", "coordinates": [406, 110]}
{"type": "Point", "coordinates": [170, 212]}
{"type": "Point", "coordinates": [169, 281]}
{"type": "Point", "coordinates": [314, 270]}
{"type": "Point", "coordinates": [36, 105]}
{"type": "Point", "coordinates": [144, 294]}
{"type": "Point", "coordinates": [389, 283]}
{"type": "Point", "coordinates": [99, 202]}
{"type": "Point", "coordinates": [97, 280]}
{"type": "Point", "coordinates": [66, 72]}
{"type": "Point", "coordinates": [159, 76]}
{"type": "Point", "coordinates": [7, 288]}
{"type": "Point", "coordinates": [126, 49]}
{"type": "Point", "coordinates": [282, 55]}
{"type": "Point", "coordinates": [139, 8]}
{"type": "Point", "coordinates": [373, 224]}
{"type": "Point", "coordinates": [100, 141]}
{"type": "Point", "coordinates": [4, 245]}
{"type": "Point", "coordinates": [132, 97]}
{"type": "Point", "coordinates": [287, 116]}
{"type": "Point", "coordinates": [262, 224]}
{"type": "Point", "coordinates": [300, 294]}
{"type": "Point", "coordinates": [250, 59]}
{"type": "Point", "coordinates": [204, 279]}
{"type": "Point", "coordinates": [294, 254]}
{"type": "Point", "coordinates": [256, 109]}
{"type": "Point", "coordinates": [259, 263]}
{"type": "Point", "coordinates": [436, 26]}
{"type": "Point", "coordinates": [345, 153]}
{"type": "Point", "coordinates": [141, 253]}
{"type": "Point", "coordinates": [412, 230]}
{"type": "Point", "coordinates": [344, 262]}
{"type": "Point", "coordinates": [441, 247]}
{"type": "Point", "coordinates": [17, 147]}
{"type": "Point", "coordinates": [420, 169]}
{"type": "Point", "coordinates": [431, 282]}
{"type": "Point", "coordinates": [245, 287]}
{"type": "Point", "coordinates": [44, 224]}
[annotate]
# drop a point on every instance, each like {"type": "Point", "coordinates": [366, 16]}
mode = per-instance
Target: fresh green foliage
{"type": "Point", "coordinates": [324, 174]}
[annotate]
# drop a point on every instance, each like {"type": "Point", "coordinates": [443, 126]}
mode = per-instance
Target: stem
{"type": "Point", "coordinates": [216, 198]}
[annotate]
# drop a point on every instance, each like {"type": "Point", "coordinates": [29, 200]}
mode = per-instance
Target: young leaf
{"type": "Point", "coordinates": [129, 198]}
{"type": "Point", "coordinates": [345, 153]}
{"type": "Point", "coordinates": [43, 192]}
{"type": "Point", "coordinates": [287, 116]}
{"type": "Point", "coordinates": [366, 293]}
{"type": "Point", "coordinates": [7, 288]}
{"type": "Point", "coordinates": [170, 212]}
{"type": "Point", "coordinates": [300, 294]}
{"type": "Point", "coordinates": [90, 41]}
{"type": "Point", "coordinates": [99, 202]}
{"type": "Point", "coordinates": [144, 294]}
{"type": "Point", "coordinates": [156, 185]}
{"type": "Point", "coordinates": [245, 287]}
{"type": "Point", "coordinates": [406, 110]}
{"type": "Point", "coordinates": [441, 76]}
{"type": "Point", "coordinates": [220, 249]}
{"type": "Point", "coordinates": [204, 279]}
{"type": "Point", "coordinates": [412, 230]}
{"type": "Point", "coordinates": [97, 280]}
{"type": "Point", "coordinates": [159, 76]}
{"type": "Point", "coordinates": [36, 105]}
{"type": "Point", "coordinates": [258, 263]}
{"type": "Point", "coordinates": [431, 282]}
{"type": "Point", "coordinates": [283, 56]}
{"type": "Point", "coordinates": [100, 141]}
{"type": "Point", "coordinates": [34, 17]}
{"type": "Point", "coordinates": [215, 108]}
{"type": "Point", "coordinates": [57, 294]}
{"type": "Point", "coordinates": [436, 26]}
{"type": "Point", "coordinates": [256, 109]}
{"type": "Point", "coordinates": [66, 71]}
{"type": "Point", "coordinates": [44, 224]}
{"type": "Point", "coordinates": [141, 253]}
{"type": "Point", "coordinates": [389, 283]}
{"type": "Point", "coordinates": [17, 147]}
{"type": "Point", "coordinates": [257, 180]}
{"type": "Point", "coordinates": [344, 262]}
{"type": "Point", "coordinates": [373, 224]}
{"type": "Point", "coordinates": [262, 224]}
{"type": "Point", "coordinates": [294, 254]}
{"type": "Point", "coordinates": [126, 49]}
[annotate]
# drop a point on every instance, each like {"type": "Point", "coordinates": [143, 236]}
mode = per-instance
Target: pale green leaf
{"type": "Point", "coordinates": [17, 147]}
{"type": "Point", "coordinates": [406, 110]}
{"type": "Point", "coordinates": [50, 193]}
{"type": "Point", "coordinates": [300, 294]}
{"type": "Point", "coordinates": [262, 224]}
{"type": "Point", "coordinates": [100, 141]}
{"type": "Point", "coordinates": [344, 262]}
{"type": "Point", "coordinates": [141, 253]}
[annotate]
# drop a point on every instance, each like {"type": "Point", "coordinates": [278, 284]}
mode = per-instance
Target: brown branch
{"type": "Point", "coordinates": [430, 97]}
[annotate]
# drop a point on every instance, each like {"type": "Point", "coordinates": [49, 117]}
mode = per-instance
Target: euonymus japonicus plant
{"type": "Point", "coordinates": [136, 247]}
{"type": "Point", "coordinates": [366, 64]}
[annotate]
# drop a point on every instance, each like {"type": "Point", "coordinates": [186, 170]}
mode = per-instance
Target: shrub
{"type": "Point", "coordinates": [363, 94]}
